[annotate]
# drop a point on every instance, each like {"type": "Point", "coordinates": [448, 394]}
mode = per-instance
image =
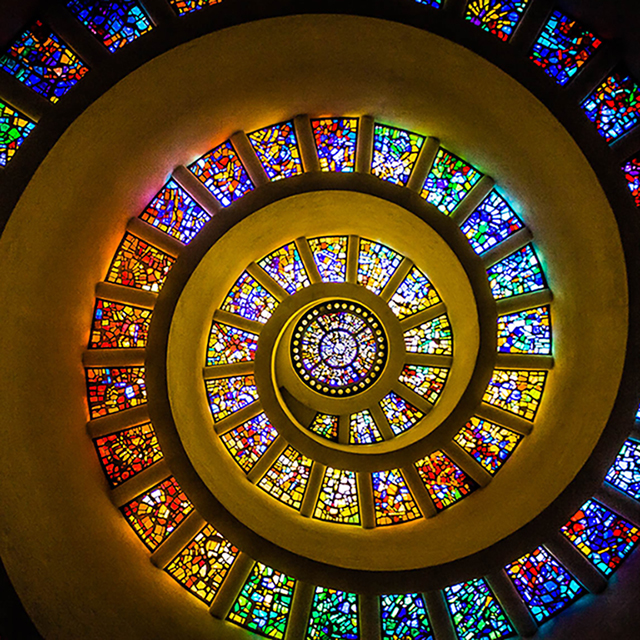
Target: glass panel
{"type": "Point", "coordinates": [187, 6]}
{"type": "Point", "coordinates": [631, 170]}
{"type": "Point", "coordinates": [249, 299]}
{"type": "Point", "coordinates": [325, 426]}
{"type": "Point", "coordinates": [404, 617]}
{"type": "Point", "coordinates": [285, 267]}
{"type": "Point", "coordinates": [336, 143]}
{"type": "Point", "coordinates": [287, 479]}
{"type": "Point", "coordinates": [401, 414]}
{"type": "Point", "coordinates": [433, 337]}
{"type": "Point", "coordinates": [498, 17]}
{"type": "Point", "coordinates": [248, 442]}
{"type": "Point", "coordinates": [516, 391]}
{"type": "Point", "coordinates": [228, 395]}
{"type": "Point", "coordinates": [338, 499]}
{"type": "Point", "coordinates": [525, 332]}
{"type": "Point", "coordinates": [518, 273]}
{"type": "Point", "coordinates": [427, 382]}
{"type": "Point", "coordinates": [113, 389]}
{"type": "Point", "coordinates": [118, 325]}
{"type": "Point", "coordinates": [624, 473]}
{"type": "Point", "coordinates": [392, 499]}
{"type": "Point", "coordinates": [334, 614]}
{"type": "Point", "coordinates": [277, 150]}
{"type": "Point", "coordinates": [376, 264]}
{"type": "Point", "coordinates": [362, 429]}
{"type": "Point", "coordinates": [395, 151]}
{"type": "Point", "coordinates": [14, 129]}
{"type": "Point", "coordinates": [228, 345]}
{"type": "Point", "coordinates": [330, 255]}
{"type": "Point", "coordinates": [415, 293]}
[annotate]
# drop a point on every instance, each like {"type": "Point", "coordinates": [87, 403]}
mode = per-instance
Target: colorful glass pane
{"type": "Point", "coordinates": [516, 391]}
{"type": "Point", "coordinates": [325, 426]}
{"type": "Point", "coordinates": [498, 17]}
{"type": "Point", "coordinates": [392, 500]}
{"type": "Point", "coordinates": [363, 429]}
{"type": "Point", "coordinates": [427, 382]}
{"type": "Point", "coordinates": [404, 617]}
{"type": "Point", "coordinates": [203, 564]}
{"type": "Point", "coordinates": [338, 499]}
{"type": "Point", "coordinates": [117, 325]}
{"type": "Point", "coordinates": [113, 389]}
{"type": "Point", "coordinates": [287, 478]}
{"type": "Point", "coordinates": [222, 173]}
{"type": "Point", "coordinates": [14, 129]}
{"type": "Point", "coordinates": [430, 3]}
{"type": "Point", "coordinates": [228, 345]}
{"type": "Point", "coordinates": [248, 442]}
{"type": "Point", "coordinates": [265, 600]}
{"type": "Point", "coordinates": [434, 337]}
{"type": "Point", "coordinates": [155, 514]}
{"type": "Point", "coordinates": [544, 584]}
{"type": "Point", "coordinates": [401, 414]}
{"type": "Point", "coordinates": [624, 473]}
{"type": "Point", "coordinates": [488, 443]}
{"type": "Point", "coordinates": [525, 332]}
{"type": "Point", "coordinates": [285, 266]}
{"type": "Point", "coordinates": [336, 143]}
{"type": "Point", "coordinates": [492, 221]}
{"type": "Point", "coordinates": [445, 481]}
{"type": "Point", "coordinates": [330, 256]}
{"type": "Point", "coordinates": [631, 171]}
{"type": "Point", "coordinates": [277, 150]}
{"type": "Point", "coordinates": [249, 299]}
{"type": "Point", "coordinates": [334, 614]}
{"type": "Point", "coordinates": [41, 61]}
{"type": "Point", "coordinates": [228, 395]}
{"type": "Point", "coordinates": [475, 611]}
{"type": "Point", "coordinates": [128, 452]}
{"type": "Point", "coordinates": [376, 265]}
{"type": "Point", "coordinates": [415, 293]}
{"type": "Point", "coordinates": [395, 151]}
{"type": "Point", "coordinates": [187, 6]}
{"type": "Point", "coordinates": [518, 273]}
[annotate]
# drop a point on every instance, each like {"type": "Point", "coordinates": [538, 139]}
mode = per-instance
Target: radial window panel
{"type": "Point", "coordinates": [155, 514]}
{"type": "Point", "coordinates": [601, 535]}
{"type": "Point", "coordinates": [248, 442]}
{"type": "Point", "coordinates": [404, 617]}
{"type": "Point", "coordinates": [395, 151]}
{"type": "Point", "coordinates": [203, 564]}
{"type": "Point", "coordinates": [631, 171]}
{"type": "Point", "coordinates": [624, 473]}
{"type": "Point", "coordinates": [287, 479]}
{"type": "Point", "coordinates": [433, 337]}
{"type": "Point", "coordinates": [614, 106]}
{"type": "Point", "coordinates": [277, 150]}
{"type": "Point", "coordinates": [263, 604]}
{"type": "Point", "coordinates": [338, 499]}
{"type": "Point", "coordinates": [544, 584]}
{"type": "Point", "coordinates": [325, 426]}
{"type": "Point", "coordinates": [176, 213]}
{"type": "Point", "coordinates": [183, 7]}
{"type": "Point", "coordinates": [113, 23]}
{"type": "Point", "coordinates": [41, 61]}
{"type": "Point", "coordinates": [334, 614]}
{"type": "Point", "coordinates": [415, 293]}
{"type": "Point", "coordinates": [444, 480]}
{"type": "Point", "coordinates": [14, 129]}
{"type": "Point", "coordinates": [228, 395]}
{"type": "Point", "coordinates": [118, 325]}
{"type": "Point", "coordinates": [249, 299]}
{"type": "Point", "coordinates": [427, 382]}
{"type": "Point", "coordinates": [285, 266]}
{"type": "Point", "coordinates": [518, 273]}
{"type": "Point", "coordinates": [376, 264]}
{"type": "Point", "coordinates": [525, 332]}
{"type": "Point", "coordinates": [222, 173]}
{"type": "Point", "coordinates": [228, 345]}
{"type": "Point", "coordinates": [498, 17]}
{"type": "Point", "coordinates": [516, 391]}
{"type": "Point", "coordinates": [491, 222]}
{"type": "Point", "coordinates": [392, 500]}
{"type": "Point", "coordinates": [330, 256]}
{"type": "Point", "coordinates": [336, 140]}
{"type": "Point", "coordinates": [401, 414]}
{"type": "Point", "coordinates": [476, 612]}
{"type": "Point", "coordinates": [430, 3]}
{"type": "Point", "coordinates": [128, 452]}
{"type": "Point", "coordinates": [113, 389]}
{"type": "Point", "coordinates": [488, 443]}
{"type": "Point", "coordinates": [363, 429]}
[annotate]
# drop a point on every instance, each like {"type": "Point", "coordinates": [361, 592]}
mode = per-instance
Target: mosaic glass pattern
{"type": "Point", "coordinates": [401, 414]}
{"type": "Point", "coordinates": [203, 564]}
{"type": "Point", "coordinates": [113, 23]}
{"type": "Point", "coordinates": [222, 173]}
{"type": "Point", "coordinates": [434, 337]}
{"type": "Point", "coordinates": [113, 389]}
{"type": "Point", "coordinates": [491, 222]}
{"type": "Point", "coordinates": [264, 602]}
{"type": "Point", "coordinates": [14, 129]}
{"type": "Point", "coordinates": [376, 265]}
{"type": "Point", "coordinates": [601, 535]}
{"type": "Point", "coordinates": [248, 442]}
{"type": "Point", "coordinates": [520, 272]}
{"type": "Point", "coordinates": [430, 3]}
{"type": "Point", "coordinates": [287, 478]}
{"type": "Point", "coordinates": [544, 584]}
{"type": "Point", "coordinates": [277, 150]}
{"type": "Point", "coordinates": [427, 382]}
{"type": "Point", "coordinates": [249, 299]}
{"type": "Point", "coordinates": [415, 293]}
{"type": "Point", "coordinates": [525, 332]}
{"type": "Point", "coordinates": [187, 6]}
{"type": "Point", "coordinates": [488, 443]}
{"type": "Point", "coordinates": [285, 267]}
{"type": "Point", "coordinates": [228, 345]}
{"type": "Point", "coordinates": [338, 499]}
{"type": "Point", "coordinates": [363, 429]}
{"type": "Point", "coordinates": [498, 17]}
{"type": "Point", "coordinates": [624, 473]}
{"type": "Point", "coordinates": [176, 213]}
{"type": "Point", "coordinates": [404, 617]}
{"type": "Point", "coordinates": [325, 426]}
{"type": "Point", "coordinates": [155, 514]}
{"type": "Point", "coordinates": [631, 171]}
{"type": "Point", "coordinates": [445, 481]}
{"type": "Point", "coordinates": [614, 106]}
{"type": "Point", "coordinates": [128, 452]}
{"type": "Point", "coordinates": [228, 395]}
{"type": "Point", "coordinates": [41, 61]}
{"type": "Point", "coordinates": [395, 151]}
{"type": "Point", "coordinates": [117, 325]}
{"type": "Point", "coordinates": [336, 140]}
{"type": "Point", "coordinates": [330, 256]}
{"type": "Point", "coordinates": [475, 611]}
{"type": "Point", "coordinates": [392, 500]}
{"type": "Point", "coordinates": [334, 614]}
{"type": "Point", "coordinates": [516, 391]}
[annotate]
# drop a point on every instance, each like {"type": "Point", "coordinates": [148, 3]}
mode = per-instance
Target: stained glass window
{"type": "Point", "coordinates": [277, 150]}
{"type": "Point", "coordinates": [249, 299]}
{"type": "Point", "coordinates": [285, 266]}
{"type": "Point", "coordinates": [516, 391]}
{"type": "Point", "coordinates": [113, 389]}
{"type": "Point", "coordinates": [113, 23]}
{"type": "Point", "coordinates": [187, 6]}
{"type": "Point", "coordinates": [614, 106]}
{"type": "Point", "coordinates": [156, 513]}
{"type": "Point", "coordinates": [544, 584]}
{"type": "Point", "coordinates": [176, 213]}
{"type": "Point", "coordinates": [430, 3]}
{"type": "Point", "coordinates": [117, 325]}
{"type": "Point", "coordinates": [488, 443]}
{"type": "Point", "coordinates": [434, 337]}
{"type": "Point", "coordinates": [203, 564]}
{"type": "Point", "coordinates": [445, 481]}
{"type": "Point", "coordinates": [498, 17]}
{"type": "Point", "coordinates": [401, 414]}
{"type": "Point", "coordinates": [330, 256]}
{"type": "Point", "coordinates": [222, 173]}
{"type": "Point", "coordinates": [631, 171]}
{"type": "Point", "coordinates": [624, 473]}
{"type": "Point", "coordinates": [492, 222]}
{"type": "Point", "coordinates": [475, 611]}
{"type": "Point", "coordinates": [395, 151]}
{"type": "Point", "coordinates": [518, 273]}
{"type": "Point", "coordinates": [427, 382]}
{"type": "Point", "coordinates": [14, 129]}
{"type": "Point", "coordinates": [602, 536]}
{"type": "Point", "coordinates": [287, 479]}
{"type": "Point", "coordinates": [336, 143]}
{"type": "Point", "coordinates": [392, 500]}
{"type": "Point", "coordinates": [334, 614]}
{"type": "Point", "coordinates": [128, 452]}
{"type": "Point", "coordinates": [404, 617]}
{"type": "Point", "coordinates": [248, 442]}
{"type": "Point", "coordinates": [325, 426]}
{"type": "Point", "coordinates": [525, 332]}
{"type": "Point", "coordinates": [376, 265]}
{"type": "Point", "coordinates": [264, 602]}
{"type": "Point", "coordinates": [41, 61]}
{"type": "Point", "coordinates": [228, 345]}
{"type": "Point", "coordinates": [228, 395]}
{"type": "Point", "coordinates": [415, 293]}
{"type": "Point", "coordinates": [363, 429]}
{"type": "Point", "coordinates": [338, 499]}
